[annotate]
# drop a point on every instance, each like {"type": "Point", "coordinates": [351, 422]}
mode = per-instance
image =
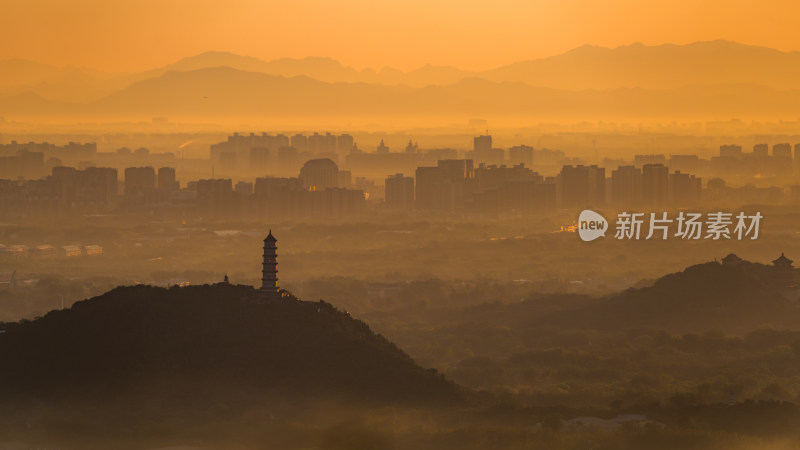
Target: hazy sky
{"type": "Point", "coordinates": [133, 35]}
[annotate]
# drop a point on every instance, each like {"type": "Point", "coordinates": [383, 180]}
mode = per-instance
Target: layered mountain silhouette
{"type": "Point", "coordinates": [203, 345]}
{"type": "Point", "coordinates": [657, 67]}
{"type": "Point", "coordinates": [704, 297]}
{"type": "Point", "coordinates": [225, 92]}
{"type": "Point", "coordinates": [705, 78]}
{"type": "Point", "coordinates": [709, 296]}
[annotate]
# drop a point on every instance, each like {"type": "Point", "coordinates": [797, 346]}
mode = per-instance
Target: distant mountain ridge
{"type": "Point", "coordinates": [718, 78]}
{"type": "Point", "coordinates": [586, 67]}
{"type": "Point", "coordinates": [222, 92]}
{"type": "Point", "coordinates": [657, 67]}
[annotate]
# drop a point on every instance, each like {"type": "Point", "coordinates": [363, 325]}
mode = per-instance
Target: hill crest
{"type": "Point", "coordinates": [219, 338]}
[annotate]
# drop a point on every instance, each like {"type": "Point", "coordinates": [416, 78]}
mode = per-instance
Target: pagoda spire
{"type": "Point", "coordinates": [269, 271]}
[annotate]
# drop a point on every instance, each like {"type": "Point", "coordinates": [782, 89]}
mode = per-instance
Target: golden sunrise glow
{"type": "Point", "coordinates": [473, 35]}
{"type": "Point", "coordinates": [399, 224]}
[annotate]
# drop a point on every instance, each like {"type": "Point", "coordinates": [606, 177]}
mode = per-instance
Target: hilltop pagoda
{"type": "Point", "coordinates": [783, 272]}
{"type": "Point", "coordinates": [269, 271]}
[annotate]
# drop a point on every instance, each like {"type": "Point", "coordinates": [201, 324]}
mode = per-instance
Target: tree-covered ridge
{"type": "Point", "coordinates": [213, 337]}
{"type": "Point", "coordinates": [708, 296]}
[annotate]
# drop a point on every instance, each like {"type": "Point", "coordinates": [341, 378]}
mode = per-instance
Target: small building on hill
{"type": "Point", "coordinates": [784, 278]}
{"type": "Point", "coordinates": [731, 260]}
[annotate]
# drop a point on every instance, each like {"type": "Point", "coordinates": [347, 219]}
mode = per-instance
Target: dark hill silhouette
{"type": "Point", "coordinates": [708, 296]}
{"type": "Point", "coordinates": [206, 344]}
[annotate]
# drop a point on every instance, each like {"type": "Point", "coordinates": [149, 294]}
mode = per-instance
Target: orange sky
{"type": "Point", "coordinates": [134, 35]}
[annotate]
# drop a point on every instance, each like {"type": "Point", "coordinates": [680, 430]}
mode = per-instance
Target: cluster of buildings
{"type": "Point", "coordinates": [33, 160]}
{"type": "Point", "coordinates": [457, 184]}
{"type": "Point", "coordinates": [258, 153]}
{"type": "Point", "coordinates": [253, 154]}
{"type": "Point", "coordinates": [650, 181]}
{"type": "Point", "coordinates": [320, 190]}
{"type": "Point", "coordinates": [652, 185]}
{"type": "Point", "coordinates": [412, 157]}
{"type": "Point", "coordinates": [484, 179]}
{"type": "Point", "coordinates": [545, 159]}
{"type": "Point", "coordinates": [91, 190]}
{"type": "Point", "coordinates": [49, 251]}
{"type": "Point", "coordinates": [732, 161]}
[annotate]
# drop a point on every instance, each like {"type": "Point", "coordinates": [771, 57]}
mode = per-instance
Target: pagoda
{"type": "Point", "coordinates": [269, 271]}
{"type": "Point", "coordinates": [783, 272]}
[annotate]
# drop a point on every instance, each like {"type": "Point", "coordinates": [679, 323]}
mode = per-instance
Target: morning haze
{"type": "Point", "coordinates": [698, 81]}
{"type": "Point", "coordinates": [386, 225]}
